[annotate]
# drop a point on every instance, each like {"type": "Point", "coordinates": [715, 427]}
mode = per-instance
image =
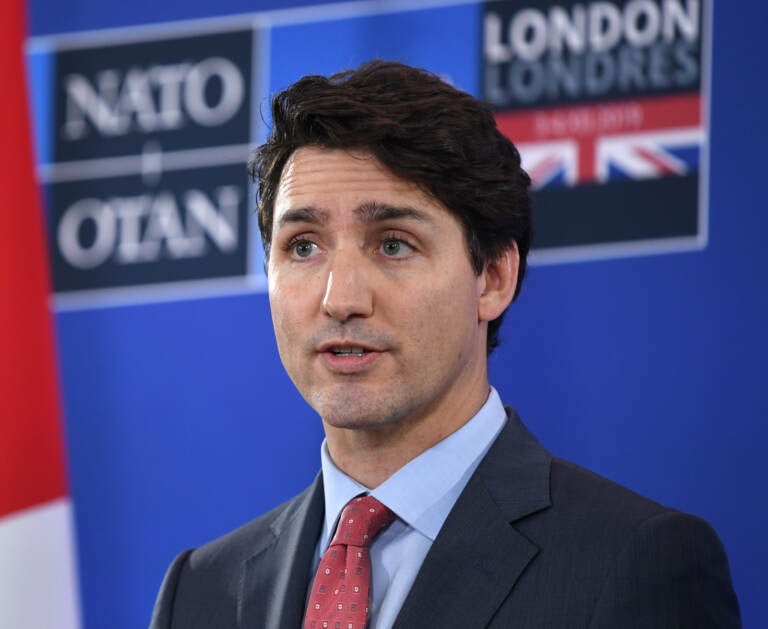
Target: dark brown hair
{"type": "Point", "coordinates": [424, 131]}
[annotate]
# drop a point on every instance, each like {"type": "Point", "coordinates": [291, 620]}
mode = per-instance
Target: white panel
{"type": "Point", "coordinates": [38, 577]}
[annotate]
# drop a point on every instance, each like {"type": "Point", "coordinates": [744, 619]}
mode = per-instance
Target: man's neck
{"type": "Point", "coordinates": [371, 455]}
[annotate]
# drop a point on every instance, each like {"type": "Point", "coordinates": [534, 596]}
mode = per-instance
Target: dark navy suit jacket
{"type": "Point", "coordinates": [533, 541]}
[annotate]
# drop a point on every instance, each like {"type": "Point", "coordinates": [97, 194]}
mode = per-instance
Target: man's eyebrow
{"type": "Point", "coordinates": [373, 211]}
{"type": "Point", "coordinates": [303, 215]}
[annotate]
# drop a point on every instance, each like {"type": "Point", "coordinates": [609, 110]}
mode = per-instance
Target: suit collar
{"type": "Point", "coordinates": [479, 555]}
{"type": "Point", "coordinates": [516, 471]}
{"type": "Point", "coordinates": [275, 577]}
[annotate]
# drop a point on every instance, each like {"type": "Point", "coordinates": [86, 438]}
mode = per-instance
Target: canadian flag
{"type": "Point", "coordinates": [38, 577]}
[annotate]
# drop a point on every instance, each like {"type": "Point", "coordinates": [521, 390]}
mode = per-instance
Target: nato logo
{"type": "Point", "coordinates": [143, 154]}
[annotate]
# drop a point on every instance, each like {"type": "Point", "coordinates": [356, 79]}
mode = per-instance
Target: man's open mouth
{"type": "Point", "coordinates": [349, 351]}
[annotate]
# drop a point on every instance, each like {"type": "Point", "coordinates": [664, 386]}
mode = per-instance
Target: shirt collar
{"type": "Point", "coordinates": [423, 491]}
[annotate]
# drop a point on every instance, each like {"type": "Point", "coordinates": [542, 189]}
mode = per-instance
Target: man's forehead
{"type": "Point", "coordinates": [310, 164]}
{"type": "Point", "coordinates": [315, 180]}
{"type": "Point", "coordinates": [366, 212]}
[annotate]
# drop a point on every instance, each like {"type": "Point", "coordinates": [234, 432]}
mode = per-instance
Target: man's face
{"type": "Point", "coordinates": [374, 299]}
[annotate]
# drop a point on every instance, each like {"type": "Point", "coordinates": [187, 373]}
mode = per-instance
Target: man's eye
{"type": "Point", "coordinates": [303, 249]}
{"type": "Point", "coordinates": [395, 248]}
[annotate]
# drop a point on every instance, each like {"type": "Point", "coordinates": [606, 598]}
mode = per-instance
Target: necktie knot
{"type": "Point", "coordinates": [362, 519]}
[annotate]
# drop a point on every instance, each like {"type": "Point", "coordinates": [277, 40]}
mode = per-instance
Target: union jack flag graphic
{"type": "Point", "coordinates": [649, 155]}
{"type": "Point", "coordinates": [596, 143]}
{"type": "Point", "coordinates": [551, 163]}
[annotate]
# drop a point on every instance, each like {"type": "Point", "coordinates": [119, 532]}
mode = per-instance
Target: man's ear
{"type": "Point", "coordinates": [498, 282]}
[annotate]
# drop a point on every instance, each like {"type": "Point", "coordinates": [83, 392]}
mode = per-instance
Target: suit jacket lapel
{"type": "Point", "coordinates": [275, 578]}
{"type": "Point", "coordinates": [478, 555]}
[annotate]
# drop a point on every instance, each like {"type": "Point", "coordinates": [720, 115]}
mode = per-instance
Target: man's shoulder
{"type": "Point", "coordinates": [565, 489]}
{"type": "Point", "coordinates": [572, 505]}
{"type": "Point", "coordinates": [202, 587]}
{"type": "Point", "coordinates": [591, 511]}
{"type": "Point", "coordinates": [578, 490]}
{"type": "Point", "coordinates": [618, 558]}
{"type": "Point", "coordinates": [250, 538]}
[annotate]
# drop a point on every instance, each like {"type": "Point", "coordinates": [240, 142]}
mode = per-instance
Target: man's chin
{"type": "Point", "coordinates": [357, 411]}
{"type": "Point", "coordinates": [355, 419]}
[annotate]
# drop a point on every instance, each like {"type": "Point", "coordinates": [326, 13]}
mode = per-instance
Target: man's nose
{"type": "Point", "coordinates": [348, 292]}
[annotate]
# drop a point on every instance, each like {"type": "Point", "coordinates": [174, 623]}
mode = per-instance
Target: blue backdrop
{"type": "Point", "coordinates": [651, 370]}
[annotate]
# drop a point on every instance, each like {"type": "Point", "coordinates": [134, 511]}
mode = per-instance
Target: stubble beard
{"type": "Point", "coordinates": [350, 407]}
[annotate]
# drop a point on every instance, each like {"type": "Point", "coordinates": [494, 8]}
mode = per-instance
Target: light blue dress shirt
{"type": "Point", "coordinates": [421, 494]}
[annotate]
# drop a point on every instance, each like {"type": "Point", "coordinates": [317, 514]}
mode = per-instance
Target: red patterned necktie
{"type": "Point", "coordinates": [339, 598]}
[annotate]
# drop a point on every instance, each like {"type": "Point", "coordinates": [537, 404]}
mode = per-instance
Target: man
{"type": "Point", "coordinates": [396, 223]}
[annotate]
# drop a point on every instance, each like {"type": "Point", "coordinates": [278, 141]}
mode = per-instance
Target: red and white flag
{"type": "Point", "coordinates": [38, 577]}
